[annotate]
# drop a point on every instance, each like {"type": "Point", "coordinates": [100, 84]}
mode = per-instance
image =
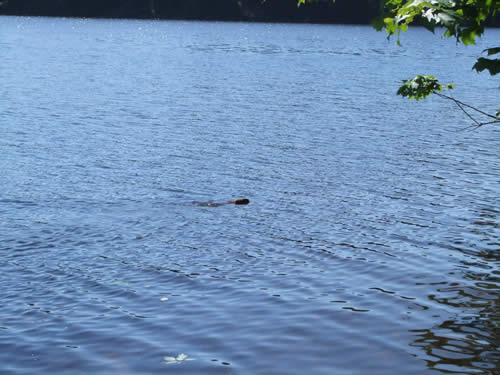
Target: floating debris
{"type": "Point", "coordinates": [179, 359]}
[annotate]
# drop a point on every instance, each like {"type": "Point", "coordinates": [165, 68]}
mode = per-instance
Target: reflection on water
{"type": "Point", "coordinates": [370, 244]}
{"type": "Point", "coordinates": [468, 342]}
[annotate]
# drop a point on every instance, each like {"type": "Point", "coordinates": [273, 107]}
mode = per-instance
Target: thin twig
{"type": "Point", "coordinates": [467, 113]}
{"type": "Point", "coordinates": [488, 123]}
{"type": "Point", "coordinates": [478, 125]}
{"type": "Point", "coordinates": [466, 105]}
{"type": "Point", "coordinates": [471, 127]}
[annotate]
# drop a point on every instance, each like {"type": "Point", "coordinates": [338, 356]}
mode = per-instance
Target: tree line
{"type": "Point", "coordinates": [341, 11]}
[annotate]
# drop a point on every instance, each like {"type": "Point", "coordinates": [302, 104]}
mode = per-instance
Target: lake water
{"type": "Point", "coordinates": [370, 245]}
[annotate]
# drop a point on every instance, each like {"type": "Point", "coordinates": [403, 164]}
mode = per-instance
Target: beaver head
{"type": "Point", "coordinates": [241, 201]}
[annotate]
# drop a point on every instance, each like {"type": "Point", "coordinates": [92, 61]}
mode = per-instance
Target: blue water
{"type": "Point", "coordinates": [370, 244]}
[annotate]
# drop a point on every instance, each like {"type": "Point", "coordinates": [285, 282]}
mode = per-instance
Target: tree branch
{"type": "Point", "coordinates": [467, 105]}
{"type": "Point", "coordinates": [467, 113]}
{"type": "Point", "coordinates": [461, 105]}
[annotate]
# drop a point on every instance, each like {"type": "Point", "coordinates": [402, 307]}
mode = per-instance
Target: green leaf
{"type": "Point", "coordinates": [468, 36]}
{"type": "Point", "coordinates": [421, 87]}
{"type": "Point", "coordinates": [492, 51]}
{"type": "Point", "coordinates": [378, 23]}
{"type": "Point", "coordinates": [491, 65]}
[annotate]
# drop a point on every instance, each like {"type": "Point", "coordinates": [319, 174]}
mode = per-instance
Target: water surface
{"type": "Point", "coordinates": [370, 244]}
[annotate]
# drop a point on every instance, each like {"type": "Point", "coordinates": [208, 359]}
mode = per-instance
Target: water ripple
{"type": "Point", "coordinates": [370, 230]}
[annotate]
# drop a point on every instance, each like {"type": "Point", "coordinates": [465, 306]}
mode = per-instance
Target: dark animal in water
{"type": "Point", "coordinates": [236, 201]}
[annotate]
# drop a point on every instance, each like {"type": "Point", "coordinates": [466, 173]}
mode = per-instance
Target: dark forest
{"type": "Point", "coordinates": [342, 11]}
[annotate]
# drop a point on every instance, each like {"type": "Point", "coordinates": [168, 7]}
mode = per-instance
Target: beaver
{"type": "Point", "coordinates": [235, 201]}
